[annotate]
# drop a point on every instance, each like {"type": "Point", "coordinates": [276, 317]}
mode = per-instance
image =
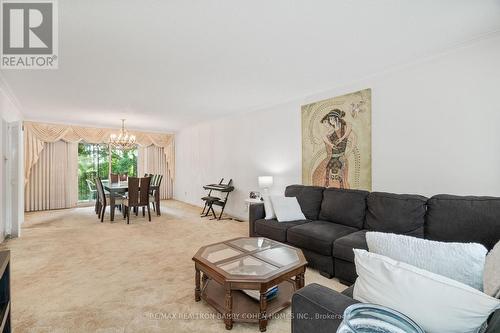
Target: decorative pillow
{"type": "Point", "coordinates": [309, 198]}
{"type": "Point", "coordinates": [492, 272]}
{"type": "Point", "coordinates": [463, 262]}
{"type": "Point", "coordinates": [268, 207]}
{"type": "Point", "coordinates": [287, 209]}
{"type": "Point", "coordinates": [436, 303]}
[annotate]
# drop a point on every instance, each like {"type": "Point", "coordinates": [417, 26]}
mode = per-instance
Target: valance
{"type": "Point", "coordinates": [36, 134]}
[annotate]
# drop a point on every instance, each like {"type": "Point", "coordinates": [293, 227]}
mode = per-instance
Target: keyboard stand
{"type": "Point", "coordinates": [210, 200]}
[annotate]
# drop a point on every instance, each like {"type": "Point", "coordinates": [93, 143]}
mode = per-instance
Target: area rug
{"type": "Point", "coordinates": [71, 273]}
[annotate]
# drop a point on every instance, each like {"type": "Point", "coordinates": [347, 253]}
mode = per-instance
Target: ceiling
{"type": "Point", "coordinates": [166, 64]}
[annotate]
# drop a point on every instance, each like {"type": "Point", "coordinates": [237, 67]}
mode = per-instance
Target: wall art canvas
{"type": "Point", "coordinates": [336, 142]}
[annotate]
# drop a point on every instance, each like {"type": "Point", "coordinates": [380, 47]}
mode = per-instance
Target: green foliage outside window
{"type": "Point", "coordinates": [93, 159]}
{"type": "Point", "coordinates": [124, 162]}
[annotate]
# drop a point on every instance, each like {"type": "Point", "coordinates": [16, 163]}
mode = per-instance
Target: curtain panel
{"type": "Point", "coordinates": [153, 160]}
{"type": "Point", "coordinates": [53, 182]}
{"type": "Point", "coordinates": [37, 134]}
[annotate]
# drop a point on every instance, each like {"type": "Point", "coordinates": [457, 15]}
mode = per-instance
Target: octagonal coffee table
{"type": "Point", "coordinates": [256, 263]}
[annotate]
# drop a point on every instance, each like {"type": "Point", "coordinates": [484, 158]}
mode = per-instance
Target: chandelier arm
{"type": "Point", "coordinates": [122, 141]}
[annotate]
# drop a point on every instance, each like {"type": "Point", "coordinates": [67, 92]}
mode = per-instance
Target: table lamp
{"type": "Point", "coordinates": [265, 182]}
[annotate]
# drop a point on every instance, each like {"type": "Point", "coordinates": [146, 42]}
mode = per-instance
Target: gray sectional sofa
{"type": "Point", "coordinates": [337, 221]}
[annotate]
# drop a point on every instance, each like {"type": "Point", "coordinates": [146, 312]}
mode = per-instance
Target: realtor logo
{"type": "Point", "coordinates": [29, 34]}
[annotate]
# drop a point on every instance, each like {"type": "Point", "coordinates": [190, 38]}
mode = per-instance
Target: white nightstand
{"type": "Point", "coordinates": [249, 202]}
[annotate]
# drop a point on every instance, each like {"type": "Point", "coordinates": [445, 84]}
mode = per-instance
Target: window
{"type": "Point", "coordinates": [100, 160]}
{"type": "Point", "coordinates": [93, 160]}
{"type": "Point", "coordinates": [124, 162]}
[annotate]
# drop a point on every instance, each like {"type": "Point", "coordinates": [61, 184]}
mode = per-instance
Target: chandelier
{"type": "Point", "coordinates": [123, 140]}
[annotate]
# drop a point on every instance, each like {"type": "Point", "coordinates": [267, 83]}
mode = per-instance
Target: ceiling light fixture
{"type": "Point", "coordinates": [124, 140]}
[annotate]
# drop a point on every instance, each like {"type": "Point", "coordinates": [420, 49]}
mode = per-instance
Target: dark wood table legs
{"type": "Point", "coordinates": [300, 281]}
{"type": "Point", "coordinates": [112, 207]}
{"type": "Point", "coordinates": [263, 311]}
{"type": "Point", "coordinates": [197, 289]}
{"type": "Point", "coordinates": [228, 318]}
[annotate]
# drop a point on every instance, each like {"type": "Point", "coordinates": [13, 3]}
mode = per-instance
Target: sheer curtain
{"type": "Point", "coordinates": [53, 181]}
{"type": "Point", "coordinates": [152, 159]}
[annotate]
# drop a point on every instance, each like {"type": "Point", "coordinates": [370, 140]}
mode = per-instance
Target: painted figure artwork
{"type": "Point", "coordinates": [336, 142]}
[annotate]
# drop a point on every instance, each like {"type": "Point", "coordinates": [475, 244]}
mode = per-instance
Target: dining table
{"type": "Point", "coordinates": [117, 190]}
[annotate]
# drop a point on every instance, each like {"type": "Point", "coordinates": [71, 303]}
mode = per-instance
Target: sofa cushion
{"type": "Point", "coordinates": [347, 207]}
{"type": "Point", "coordinates": [317, 236]}
{"type": "Point", "coordinates": [343, 247]}
{"type": "Point", "coordinates": [396, 213]}
{"type": "Point", "coordinates": [324, 264]}
{"type": "Point", "coordinates": [463, 219]}
{"type": "Point", "coordinates": [309, 198]}
{"type": "Point", "coordinates": [437, 303]}
{"type": "Point", "coordinates": [274, 229]}
{"type": "Point", "coordinates": [293, 190]}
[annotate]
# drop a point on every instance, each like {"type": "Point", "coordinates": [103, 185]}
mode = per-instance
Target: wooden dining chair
{"type": "Point", "coordinates": [154, 194]}
{"type": "Point", "coordinates": [97, 197]}
{"type": "Point", "coordinates": [138, 196]}
{"type": "Point", "coordinates": [114, 177]}
{"type": "Point", "coordinates": [103, 199]}
{"type": "Point", "coordinates": [123, 177]}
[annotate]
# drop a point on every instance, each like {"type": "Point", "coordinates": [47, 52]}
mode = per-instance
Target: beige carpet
{"type": "Point", "coordinates": [71, 273]}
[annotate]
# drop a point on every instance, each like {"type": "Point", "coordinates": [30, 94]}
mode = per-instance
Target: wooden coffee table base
{"type": "Point", "coordinates": [224, 269]}
{"type": "Point", "coordinates": [236, 306]}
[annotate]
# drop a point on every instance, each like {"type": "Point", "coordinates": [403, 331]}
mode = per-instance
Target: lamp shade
{"type": "Point", "coordinates": [265, 181]}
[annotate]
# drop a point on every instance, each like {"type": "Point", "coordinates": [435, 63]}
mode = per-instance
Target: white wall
{"type": "Point", "coordinates": [435, 129]}
{"type": "Point", "coordinates": [4, 213]}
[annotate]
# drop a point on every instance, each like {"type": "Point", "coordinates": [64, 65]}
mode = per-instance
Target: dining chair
{"type": "Point", "coordinates": [92, 189]}
{"type": "Point", "coordinates": [114, 178]}
{"type": "Point", "coordinates": [154, 194]}
{"type": "Point", "coordinates": [123, 177]}
{"type": "Point", "coordinates": [138, 196]}
{"type": "Point", "coordinates": [97, 197]}
{"type": "Point", "coordinates": [151, 184]}
{"type": "Point", "coordinates": [103, 199]}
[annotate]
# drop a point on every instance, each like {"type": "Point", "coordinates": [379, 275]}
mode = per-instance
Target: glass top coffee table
{"type": "Point", "coordinates": [223, 270]}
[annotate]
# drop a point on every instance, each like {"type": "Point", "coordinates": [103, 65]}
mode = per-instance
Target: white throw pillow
{"type": "Point", "coordinates": [463, 262]}
{"type": "Point", "coordinates": [436, 303]}
{"type": "Point", "coordinates": [492, 272]}
{"type": "Point", "coordinates": [287, 209]}
{"type": "Point", "coordinates": [268, 207]}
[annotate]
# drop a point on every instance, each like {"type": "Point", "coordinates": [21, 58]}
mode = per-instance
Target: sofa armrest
{"type": "Point", "coordinates": [494, 323]}
{"type": "Point", "coordinates": [318, 309]}
{"type": "Point", "coordinates": [255, 212]}
{"type": "Point", "coordinates": [349, 291]}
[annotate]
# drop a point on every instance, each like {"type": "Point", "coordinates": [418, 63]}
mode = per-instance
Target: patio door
{"type": "Point", "coordinates": [93, 160]}
{"type": "Point", "coordinates": [101, 160]}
